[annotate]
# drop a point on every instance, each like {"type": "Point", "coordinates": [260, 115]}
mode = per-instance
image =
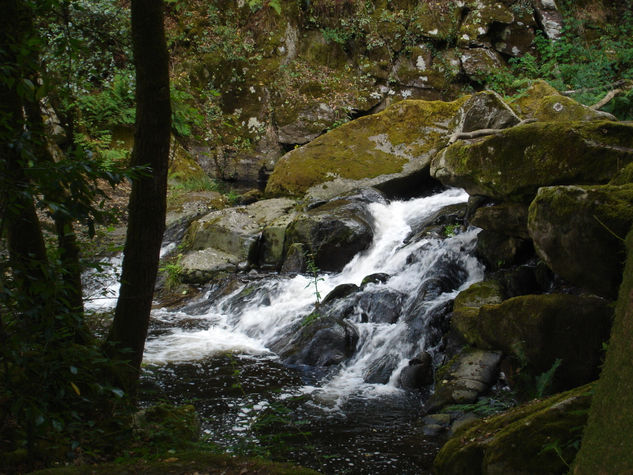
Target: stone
{"type": "Point", "coordinates": [484, 110]}
{"type": "Point", "coordinates": [578, 232]}
{"type": "Point", "coordinates": [526, 104]}
{"type": "Point", "coordinates": [539, 329]}
{"type": "Point", "coordinates": [333, 232]}
{"type": "Point", "coordinates": [558, 108]}
{"type": "Point", "coordinates": [520, 440]}
{"type": "Point", "coordinates": [549, 17]}
{"type": "Point", "coordinates": [512, 164]}
{"type": "Point", "coordinates": [205, 264]}
{"type": "Point", "coordinates": [370, 151]}
{"type": "Point", "coordinates": [477, 63]}
{"type": "Point", "coordinates": [295, 261]}
{"type": "Point", "coordinates": [508, 219]}
{"type": "Point", "coordinates": [464, 378]}
{"type": "Point", "coordinates": [418, 373]}
{"type": "Point", "coordinates": [498, 251]}
{"type": "Point", "coordinates": [340, 292]}
{"type": "Point", "coordinates": [382, 305]}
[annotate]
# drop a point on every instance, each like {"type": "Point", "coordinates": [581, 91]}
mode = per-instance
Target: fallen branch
{"type": "Point", "coordinates": [615, 85]}
{"type": "Point", "coordinates": [483, 132]}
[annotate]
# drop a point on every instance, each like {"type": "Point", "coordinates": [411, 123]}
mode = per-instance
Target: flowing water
{"type": "Point", "coordinates": [219, 351]}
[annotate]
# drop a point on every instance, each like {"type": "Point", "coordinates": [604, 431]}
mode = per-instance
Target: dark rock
{"type": "Point", "coordinates": [418, 374]}
{"type": "Point", "coordinates": [485, 110]}
{"type": "Point", "coordinates": [497, 251]}
{"type": "Point", "coordinates": [577, 231]}
{"type": "Point", "coordinates": [379, 371]}
{"type": "Point", "coordinates": [378, 278]}
{"type": "Point", "coordinates": [539, 329]}
{"type": "Point", "coordinates": [323, 342]}
{"type": "Point", "coordinates": [508, 219]}
{"type": "Point", "coordinates": [339, 292]}
{"type": "Point", "coordinates": [295, 261]}
{"type": "Point", "coordinates": [381, 305]}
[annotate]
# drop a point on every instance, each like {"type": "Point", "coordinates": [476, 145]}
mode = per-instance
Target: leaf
{"type": "Point", "coordinates": [75, 388]}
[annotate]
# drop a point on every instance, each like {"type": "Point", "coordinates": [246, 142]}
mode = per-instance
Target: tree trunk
{"type": "Point", "coordinates": [146, 220]}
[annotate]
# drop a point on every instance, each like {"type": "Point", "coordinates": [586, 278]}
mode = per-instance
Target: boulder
{"type": "Point", "coordinates": [322, 341]}
{"type": "Point", "coordinates": [539, 437]}
{"type": "Point", "coordinates": [382, 305]}
{"type": "Point", "coordinates": [333, 233]}
{"type": "Point", "coordinates": [526, 104]}
{"type": "Point", "coordinates": [558, 108]}
{"type": "Point", "coordinates": [418, 373]}
{"type": "Point", "coordinates": [484, 110]}
{"type": "Point", "coordinates": [475, 28]}
{"type": "Point", "coordinates": [549, 18]}
{"type": "Point", "coordinates": [464, 378]}
{"type": "Point", "coordinates": [295, 260]}
{"type": "Point", "coordinates": [578, 232]}
{"type": "Point", "coordinates": [203, 265]}
{"type": "Point", "coordinates": [371, 151]}
{"type": "Point", "coordinates": [379, 371]}
{"type": "Point", "coordinates": [508, 219]}
{"type": "Point", "coordinates": [539, 329]}
{"type": "Point", "coordinates": [512, 164]}
{"type": "Point", "coordinates": [339, 292]}
{"type": "Point", "coordinates": [236, 230]}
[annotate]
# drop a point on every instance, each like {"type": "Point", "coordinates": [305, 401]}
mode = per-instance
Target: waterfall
{"type": "Point", "coordinates": [424, 274]}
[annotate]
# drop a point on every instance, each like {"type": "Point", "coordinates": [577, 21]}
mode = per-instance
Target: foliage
{"type": "Point", "coordinates": [484, 406]}
{"type": "Point", "coordinates": [574, 62]}
{"type": "Point", "coordinates": [544, 380]}
{"type": "Point", "coordinates": [173, 273]}
{"type": "Point", "coordinates": [313, 270]}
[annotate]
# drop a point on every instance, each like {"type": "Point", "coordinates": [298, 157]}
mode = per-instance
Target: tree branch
{"type": "Point", "coordinates": [483, 132]}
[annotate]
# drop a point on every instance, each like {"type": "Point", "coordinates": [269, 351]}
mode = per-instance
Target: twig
{"type": "Point", "coordinates": [483, 132]}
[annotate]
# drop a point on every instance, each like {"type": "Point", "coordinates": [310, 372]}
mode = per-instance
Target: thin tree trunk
{"type": "Point", "coordinates": [146, 219]}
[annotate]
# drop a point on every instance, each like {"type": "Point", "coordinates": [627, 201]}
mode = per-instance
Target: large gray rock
{"type": "Point", "coordinates": [578, 232]}
{"type": "Point", "coordinates": [465, 377]}
{"type": "Point", "coordinates": [484, 110]}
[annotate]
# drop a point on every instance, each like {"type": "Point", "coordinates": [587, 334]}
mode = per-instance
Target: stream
{"type": "Point", "coordinates": [228, 351]}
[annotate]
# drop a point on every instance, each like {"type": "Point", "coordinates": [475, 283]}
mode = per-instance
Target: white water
{"type": "Point", "coordinates": [281, 302]}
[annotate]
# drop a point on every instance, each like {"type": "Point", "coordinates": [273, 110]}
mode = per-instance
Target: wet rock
{"type": "Point", "coordinates": [340, 292]}
{"type": "Point", "coordinates": [323, 341]}
{"type": "Point", "coordinates": [577, 231]}
{"type": "Point", "coordinates": [379, 371]}
{"type": "Point", "coordinates": [206, 264]}
{"type": "Point", "coordinates": [381, 306]}
{"type": "Point", "coordinates": [334, 232]}
{"type": "Point", "coordinates": [464, 378]}
{"type": "Point", "coordinates": [373, 150]}
{"type": "Point", "coordinates": [270, 251]}
{"type": "Point", "coordinates": [513, 164]}
{"type": "Point", "coordinates": [418, 374]}
{"type": "Point", "coordinates": [537, 330]}
{"type": "Point", "coordinates": [519, 440]}
{"type": "Point", "coordinates": [378, 278]}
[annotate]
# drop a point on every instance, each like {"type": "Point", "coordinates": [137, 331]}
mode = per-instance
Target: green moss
{"type": "Point", "coordinates": [607, 445]}
{"type": "Point", "coordinates": [522, 440]}
{"type": "Point", "coordinates": [526, 104]}
{"type": "Point", "coordinates": [564, 109]}
{"type": "Point", "coordinates": [375, 145]}
{"type": "Point", "coordinates": [513, 164]}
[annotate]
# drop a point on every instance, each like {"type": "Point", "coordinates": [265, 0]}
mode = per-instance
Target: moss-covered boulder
{"type": "Point", "coordinates": [511, 165]}
{"type": "Point", "coordinates": [538, 437]}
{"type": "Point", "coordinates": [498, 251]}
{"type": "Point", "coordinates": [578, 232]}
{"type": "Point", "coordinates": [528, 102]}
{"type": "Point", "coordinates": [371, 151]}
{"type": "Point", "coordinates": [539, 329]}
{"type": "Point", "coordinates": [477, 63]}
{"type": "Point", "coordinates": [607, 444]}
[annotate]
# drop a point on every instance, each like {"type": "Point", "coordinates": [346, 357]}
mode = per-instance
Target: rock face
{"type": "Point", "coordinates": [513, 164]}
{"type": "Point", "coordinates": [607, 444]}
{"type": "Point", "coordinates": [539, 329]}
{"type": "Point", "coordinates": [376, 150]}
{"type": "Point", "coordinates": [578, 231]}
{"type": "Point", "coordinates": [522, 440]}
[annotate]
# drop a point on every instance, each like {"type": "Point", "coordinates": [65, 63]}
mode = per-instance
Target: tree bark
{"type": "Point", "coordinates": [146, 218]}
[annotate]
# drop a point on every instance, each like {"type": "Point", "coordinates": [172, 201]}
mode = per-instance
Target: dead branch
{"type": "Point", "coordinates": [483, 132]}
